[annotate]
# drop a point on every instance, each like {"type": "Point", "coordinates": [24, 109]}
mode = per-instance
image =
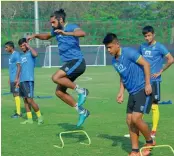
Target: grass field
{"type": "Point", "coordinates": [105, 126]}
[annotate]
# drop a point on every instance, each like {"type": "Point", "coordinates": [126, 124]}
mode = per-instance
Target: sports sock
{"type": "Point", "coordinates": [18, 105]}
{"type": "Point", "coordinates": [155, 116]}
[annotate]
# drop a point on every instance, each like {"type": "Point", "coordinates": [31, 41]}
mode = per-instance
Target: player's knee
{"type": "Point", "coordinates": [136, 119]}
{"type": "Point", "coordinates": [128, 121]}
{"type": "Point", "coordinates": [55, 79]}
{"type": "Point", "coordinates": [29, 100]}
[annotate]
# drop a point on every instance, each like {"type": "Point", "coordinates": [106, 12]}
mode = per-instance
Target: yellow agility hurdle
{"type": "Point", "coordinates": [77, 131]}
{"type": "Point", "coordinates": [158, 146]}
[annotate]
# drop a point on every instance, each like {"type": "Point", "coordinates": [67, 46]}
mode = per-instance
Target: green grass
{"type": "Point", "coordinates": [105, 126]}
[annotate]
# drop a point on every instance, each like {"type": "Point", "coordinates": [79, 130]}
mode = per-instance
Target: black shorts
{"type": "Point", "coordinates": [157, 92]}
{"type": "Point", "coordinates": [13, 88]}
{"type": "Point", "coordinates": [26, 89]}
{"type": "Point", "coordinates": [74, 68]}
{"type": "Point", "coordinates": [140, 102]}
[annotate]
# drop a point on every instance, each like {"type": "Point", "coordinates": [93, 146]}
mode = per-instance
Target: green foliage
{"type": "Point", "coordinates": [96, 18]}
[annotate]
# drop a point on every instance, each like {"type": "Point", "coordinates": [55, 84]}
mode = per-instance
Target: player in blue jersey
{"type": "Point", "coordinates": [154, 53]}
{"type": "Point", "coordinates": [26, 87]}
{"type": "Point", "coordinates": [134, 74]}
{"type": "Point", "coordinates": [14, 71]}
{"type": "Point", "coordinates": [67, 36]}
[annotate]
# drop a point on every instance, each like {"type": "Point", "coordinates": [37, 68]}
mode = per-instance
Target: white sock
{"type": "Point", "coordinates": [80, 109]}
{"type": "Point", "coordinates": [78, 89]}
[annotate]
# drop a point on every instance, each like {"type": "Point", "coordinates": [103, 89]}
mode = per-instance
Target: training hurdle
{"type": "Point", "coordinates": [68, 132]}
{"type": "Point", "coordinates": [158, 146]}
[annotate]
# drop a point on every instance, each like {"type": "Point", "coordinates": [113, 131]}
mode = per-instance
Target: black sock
{"type": "Point", "coordinates": [149, 142]}
{"type": "Point", "coordinates": [135, 150]}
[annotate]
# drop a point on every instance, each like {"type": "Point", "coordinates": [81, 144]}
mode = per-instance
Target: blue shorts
{"type": "Point", "coordinates": [140, 102]}
{"type": "Point", "coordinates": [74, 68]}
{"type": "Point", "coordinates": [13, 88]}
{"type": "Point", "coordinates": [26, 89]}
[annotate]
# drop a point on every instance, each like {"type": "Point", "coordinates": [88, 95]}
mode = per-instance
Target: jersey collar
{"type": "Point", "coordinates": [65, 25]}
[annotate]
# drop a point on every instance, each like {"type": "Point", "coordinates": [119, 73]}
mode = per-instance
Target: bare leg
{"type": "Point", "coordinates": [27, 105]}
{"type": "Point", "coordinates": [60, 78]}
{"type": "Point", "coordinates": [141, 125]}
{"type": "Point", "coordinates": [134, 133]}
{"type": "Point", "coordinates": [64, 96]}
{"type": "Point", "coordinates": [33, 104]}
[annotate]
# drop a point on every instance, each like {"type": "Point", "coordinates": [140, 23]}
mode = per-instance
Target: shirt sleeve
{"type": "Point", "coordinates": [140, 50]}
{"type": "Point", "coordinates": [53, 33]}
{"type": "Point", "coordinates": [134, 55]}
{"type": "Point", "coordinates": [74, 27]}
{"type": "Point", "coordinates": [17, 58]}
{"type": "Point", "coordinates": [163, 50]}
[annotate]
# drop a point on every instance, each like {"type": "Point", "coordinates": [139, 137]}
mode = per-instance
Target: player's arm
{"type": "Point", "coordinates": [141, 61]}
{"type": "Point", "coordinates": [77, 32]}
{"type": "Point", "coordinates": [18, 70]}
{"type": "Point", "coordinates": [169, 57]}
{"type": "Point", "coordinates": [33, 52]}
{"type": "Point", "coordinates": [120, 95]}
{"type": "Point", "coordinates": [17, 74]}
{"type": "Point", "coordinates": [121, 86]}
{"type": "Point", "coordinates": [46, 36]}
{"type": "Point", "coordinates": [170, 61]}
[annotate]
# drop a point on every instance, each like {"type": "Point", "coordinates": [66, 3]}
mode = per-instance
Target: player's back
{"type": "Point", "coordinates": [14, 58]}
{"type": "Point", "coordinates": [27, 67]}
{"type": "Point", "coordinates": [68, 46]}
{"type": "Point", "coordinates": [131, 73]}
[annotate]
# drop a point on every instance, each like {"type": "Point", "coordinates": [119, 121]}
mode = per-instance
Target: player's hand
{"type": "Point", "coordinates": [59, 31]}
{"type": "Point", "coordinates": [155, 75]}
{"type": "Point", "coordinates": [16, 83]}
{"type": "Point", "coordinates": [148, 89]}
{"type": "Point", "coordinates": [29, 38]}
{"type": "Point", "coordinates": [120, 97]}
{"type": "Point", "coordinates": [27, 45]}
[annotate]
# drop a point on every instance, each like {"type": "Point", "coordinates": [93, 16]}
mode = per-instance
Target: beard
{"type": "Point", "coordinates": [58, 27]}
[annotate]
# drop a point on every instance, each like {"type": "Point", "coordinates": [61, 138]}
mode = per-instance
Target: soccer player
{"type": "Point", "coordinates": [26, 87]}
{"type": "Point", "coordinates": [154, 53]}
{"type": "Point", "coordinates": [134, 74]}
{"type": "Point", "coordinates": [14, 71]}
{"type": "Point", "coordinates": [67, 36]}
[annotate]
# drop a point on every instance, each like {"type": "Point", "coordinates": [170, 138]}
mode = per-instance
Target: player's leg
{"type": "Point", "coordinates": [68, 99]}
{"type": "Point", "coordinates": [63, 76]}
{"type": "Point", "coordinates": [15, 92]}
{"type": "Point", "coordinates": [155, 109]}
{"type": "Point", "coordinates": [27, 89]}
{"type": "Point", "coordinates": [30, 100]}
{"type": "Point", "coordinates": [64, 96]}
{"type": "Point", "coordinates": [133, 131]}
{"type": "Point", "coordinates": [28, 111]}
{"type": "Point", "coordinates": [142, 105]}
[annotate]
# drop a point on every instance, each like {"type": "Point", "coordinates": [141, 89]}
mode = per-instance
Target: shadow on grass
{"type": "Point", "coordinates": [70, 127]}
{"type": "Point", "coordinates": [120, 141]}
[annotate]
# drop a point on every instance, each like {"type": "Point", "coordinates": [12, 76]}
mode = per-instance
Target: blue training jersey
{"type": "Point", "coordinates": [68, 46]}
{"type": "Point", "coordinates": [154, 54]}
{"type": "Point", "coordinates": [131, 73]}
{"type": "Point", "coordinates": [13, 60]}
{"type": "Point", "coordinates": [27, 67]}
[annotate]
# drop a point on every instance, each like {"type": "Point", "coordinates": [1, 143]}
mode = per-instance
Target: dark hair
{"type": "Point", "coordinates": [59, 14]}
{"type": "Point", "coordinates": [9, 43]}
{"type": "Point", "coordinates": [22, 40]}
{"type": "Point", "coordinates": [109, 38]}
{"type": "Point", "coordinates": [148, 29]}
